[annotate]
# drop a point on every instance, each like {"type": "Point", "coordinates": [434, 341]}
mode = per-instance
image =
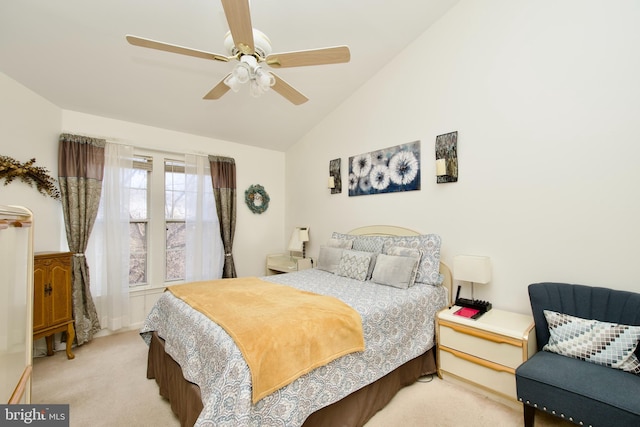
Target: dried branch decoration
{"type": "Point", "coordinates": [11, 169]}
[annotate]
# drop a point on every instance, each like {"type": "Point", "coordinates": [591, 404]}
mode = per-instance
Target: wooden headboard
{"type": "Point", "coordinates": [391, 230]}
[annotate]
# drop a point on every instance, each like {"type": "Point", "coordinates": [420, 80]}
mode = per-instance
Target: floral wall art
{"type": "Point", "coordinates": [385, 171]}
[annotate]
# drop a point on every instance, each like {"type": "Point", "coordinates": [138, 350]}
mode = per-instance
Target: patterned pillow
{"type": "Point", "coordinates": [396, 271]}
{"type": "Point", "coordinates": [369, 244]}
{"type": "Point", "coordinates": [329, 258]}
{"type": "Point", "coordinates": [603, 343]}
{"type": "Point", "coordinates": [363, 243]}
{"type": "Point", "coordinates": [373, 244]}
{"type": "Point", "coordinates": [354, 264]}
{"type": "Point", "coordinates": [429, 246]}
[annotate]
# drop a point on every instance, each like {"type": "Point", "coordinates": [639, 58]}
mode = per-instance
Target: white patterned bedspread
{"type": "Point", "coordinates": [398, 326]}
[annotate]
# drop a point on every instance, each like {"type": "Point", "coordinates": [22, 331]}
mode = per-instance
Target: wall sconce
{"type": "Point", "coordinates": [447, 157]}
{"type": "Point", "coordinates": [331, 184]}
{"type": "Point", "coordinates": [299, 237]}
{"type": "Point", "coordinates": [335, 177]}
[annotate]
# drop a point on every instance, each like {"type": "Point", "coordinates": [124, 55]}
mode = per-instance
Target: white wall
{"type": "Point", "coordinates": [546, 101]}
{"type": "Point", "coordinates": [29, 128]}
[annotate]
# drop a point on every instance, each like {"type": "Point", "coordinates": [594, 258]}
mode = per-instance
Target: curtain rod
{"type": "Point", "coordinates": [156, 150]}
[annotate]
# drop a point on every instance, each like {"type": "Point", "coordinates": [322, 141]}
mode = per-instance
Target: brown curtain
{"type": "Point", "coordinates": [223, 177]}
{"type": "Point", "coordinates": [80, 170]}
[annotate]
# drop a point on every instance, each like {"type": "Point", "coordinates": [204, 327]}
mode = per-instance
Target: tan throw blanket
{"type": "Point", "coordinates": [283, 332]}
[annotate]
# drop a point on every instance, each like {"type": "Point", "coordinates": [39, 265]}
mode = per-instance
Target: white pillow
{"type": "Point", "coordinates": [602, 343]}
{"type": "Point", "coordinates": [329, 258]}
{"type": "Point", "coordinates": [340, 243]}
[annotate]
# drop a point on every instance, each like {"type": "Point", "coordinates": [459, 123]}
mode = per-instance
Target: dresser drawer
{"type": "Point", "coordinates": [494, 348]}
{"type": "Point", "coordinates": [497, 380]}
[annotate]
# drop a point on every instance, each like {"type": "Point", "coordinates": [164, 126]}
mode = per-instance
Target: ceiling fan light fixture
{"type": "Point", "coordinates": [232, 82]}
{"type": "Point", "coordinates": [264, 79]}
{"type": "Point", "coordinates": [255, 89]}
{"type": "Point", "coordinates": [248, 70]}
{"type": "Point", "coordinates": [252, 48]}
{"type": "Point", "coordinates": [242, 73]}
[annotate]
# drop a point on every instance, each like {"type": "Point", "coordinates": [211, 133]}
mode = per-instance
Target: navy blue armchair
{"type": "Point", "coordinates": [578, 391]}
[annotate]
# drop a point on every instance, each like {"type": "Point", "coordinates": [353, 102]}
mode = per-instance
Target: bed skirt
{"type": "Point", "coordinates": [352, 411]}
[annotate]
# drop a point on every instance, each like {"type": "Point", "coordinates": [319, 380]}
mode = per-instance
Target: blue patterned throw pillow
{"type": "Point", "coordinates": [602, 343]}
{"type": "Point", "coordinates": [354, 264]}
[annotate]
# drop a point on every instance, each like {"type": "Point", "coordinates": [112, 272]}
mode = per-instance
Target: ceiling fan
{"type": "Point", "coordinates": [251, 48]}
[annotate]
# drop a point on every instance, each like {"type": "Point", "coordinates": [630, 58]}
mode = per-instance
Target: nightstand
{"type": "Point", "coordinates": [485, 351]}
{"type": "Point", "coordinates": [281, 263]}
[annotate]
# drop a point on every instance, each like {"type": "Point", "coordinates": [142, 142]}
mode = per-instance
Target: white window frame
{"type": "Point", "coordinates": [156, 226]}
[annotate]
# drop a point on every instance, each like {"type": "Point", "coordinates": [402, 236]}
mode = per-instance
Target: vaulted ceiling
{"type": "Point", "coordinates": [74, 53]}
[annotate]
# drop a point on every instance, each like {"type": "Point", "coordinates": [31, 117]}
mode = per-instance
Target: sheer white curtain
{"type": "Point", "coordinates": [108, 250]}
{"type": "Point", "coordinates": [204, 249]}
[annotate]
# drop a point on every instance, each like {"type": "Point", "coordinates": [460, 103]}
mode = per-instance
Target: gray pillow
{"type": "Point", "coordinates": [402, 251]}
{"type": "Point", "coordinates": [329, 258]}
{"type": "Point", "coordinates": [396, 271]}
{"type": "Point", "coordinates": [429, 247]}
{"type": "Point", "coordinates": [340, 243]}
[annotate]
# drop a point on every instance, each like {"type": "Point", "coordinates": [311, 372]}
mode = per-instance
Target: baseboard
{"type": "Point", "coordinates": [511, 403]}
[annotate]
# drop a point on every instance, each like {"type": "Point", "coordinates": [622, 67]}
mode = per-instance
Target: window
{"type": "Point", "coordinates": [169, 233]}
{"type": "Point", "coordinates": [145, 210]}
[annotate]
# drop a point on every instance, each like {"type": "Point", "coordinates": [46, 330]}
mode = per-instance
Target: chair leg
{"type": "Point", "coordinates": [529, 415]}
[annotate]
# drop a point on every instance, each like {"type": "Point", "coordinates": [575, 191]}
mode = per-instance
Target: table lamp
{"type": "Point", "coordinates": [299, 237]}
{"type": "Point", "coordinates": [474, 269]}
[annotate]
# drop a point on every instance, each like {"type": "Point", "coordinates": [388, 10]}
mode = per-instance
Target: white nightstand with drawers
{"type": "Point", "coordinates": [485, 351]}
{"type": "Point", "coordinates": [282, 263]}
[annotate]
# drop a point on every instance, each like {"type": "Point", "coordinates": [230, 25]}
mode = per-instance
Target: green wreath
{"type": "Point", "coordinates": [256, 198]}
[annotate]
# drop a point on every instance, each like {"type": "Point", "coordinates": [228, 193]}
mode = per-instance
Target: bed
{"type": "Point", "coordinates": [202, 372]}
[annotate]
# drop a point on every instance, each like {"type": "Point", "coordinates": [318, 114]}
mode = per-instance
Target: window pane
{"type": "Point", "coordinates": [138, 253]}
{"type": "Point", "coordinates": [175, 254]}
{"type": "Point", "coordinates": [138, 196]}
{"type": "Point", "coordinates": [174, 189]}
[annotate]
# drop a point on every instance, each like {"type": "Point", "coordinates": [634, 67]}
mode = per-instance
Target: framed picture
{"type": "Point", "coordinates": [385, 171]}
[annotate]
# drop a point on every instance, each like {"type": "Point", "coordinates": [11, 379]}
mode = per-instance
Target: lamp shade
{"type": "Point", "coordinates": [298, 237]}
{"type": "Point", "coordinates": [472, 268]}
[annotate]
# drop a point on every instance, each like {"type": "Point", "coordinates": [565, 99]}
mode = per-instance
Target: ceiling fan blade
{"type": "Point", "coordinates": [239, 19]}
{"type": "Point", "coordinates": [152, 44]}
{"type": "Point", "coordinates": [286, 90]}
{"type": "Point", "coordinates": [219, 90]}
{"type": "Point", "coordinates": [302, 58]}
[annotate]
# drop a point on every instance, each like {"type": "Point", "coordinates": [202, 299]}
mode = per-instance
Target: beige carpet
{"type": "Point", "coordinates": [106, 385]}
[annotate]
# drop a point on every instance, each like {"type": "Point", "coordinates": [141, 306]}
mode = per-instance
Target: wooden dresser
{"type": "Point", "coordinates": [52, 298]}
